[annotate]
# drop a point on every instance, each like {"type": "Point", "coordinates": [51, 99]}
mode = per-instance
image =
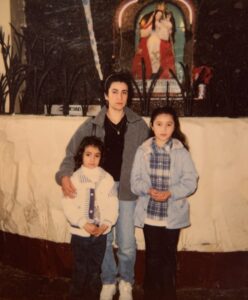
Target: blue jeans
{"type": "Point", "coordinates": [126, 252]}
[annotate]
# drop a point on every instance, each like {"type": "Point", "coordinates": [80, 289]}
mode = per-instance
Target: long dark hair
{"type": "Point", "coordinates": [154, 18]}
{"type": "Point", "coordinates": [177, 134]}
{"type": "Point", "coordinates": [120, 77]}
{"type": "Point", "coordinates": [88, 141]}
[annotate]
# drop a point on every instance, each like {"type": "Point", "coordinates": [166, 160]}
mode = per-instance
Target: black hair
{"type": "Point", "coordinates": [154, 18]}
{"type": "Point", "coordinates": [168, 110]}
{"type": "Point", "coordinates": [120, 77]}
{"type": "Point", "coordinates": [88, 141]}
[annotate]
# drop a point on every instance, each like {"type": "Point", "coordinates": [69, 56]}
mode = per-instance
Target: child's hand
{"type": "Point", "coordinates": [101, 229]}
{"type": "Point", "coordinates": [154, 194]}
{"type": "Point", "coordinates": [160, 196]}
{"type": "Point", "coordinates": [91, 228]}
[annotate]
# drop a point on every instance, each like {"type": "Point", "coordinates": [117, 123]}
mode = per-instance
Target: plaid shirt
{"type": "Point", "coordinates": [159, 174]}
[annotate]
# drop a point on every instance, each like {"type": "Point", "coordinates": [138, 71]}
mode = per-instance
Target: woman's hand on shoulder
{"type": "Point", "coordinates": [68, 188]}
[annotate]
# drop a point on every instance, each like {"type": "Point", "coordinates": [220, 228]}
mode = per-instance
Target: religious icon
{"type": "Point", "coordinates": [155, 46]}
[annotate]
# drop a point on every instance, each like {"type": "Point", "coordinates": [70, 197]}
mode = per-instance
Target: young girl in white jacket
{"type": "Point", "coordinates": [91, 215]}
{"type": "Point", "coordinates": [163, 175]}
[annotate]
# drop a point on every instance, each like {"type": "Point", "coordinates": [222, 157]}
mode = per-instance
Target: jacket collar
{"type": "Point", "coordinates": [146, 146]}
{"type": "Point", "coordinates": [131, 116]}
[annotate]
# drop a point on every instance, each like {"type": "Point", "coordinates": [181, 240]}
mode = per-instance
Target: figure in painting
{"type": "Point", "coordinates": [156, 45]}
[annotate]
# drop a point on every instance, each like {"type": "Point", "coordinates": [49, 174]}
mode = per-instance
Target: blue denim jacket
{"type": "Point", "coordinates": [182, 183]}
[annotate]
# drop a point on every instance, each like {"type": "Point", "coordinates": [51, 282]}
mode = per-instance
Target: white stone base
{"type": "Point", "coordinates": [74, 110]}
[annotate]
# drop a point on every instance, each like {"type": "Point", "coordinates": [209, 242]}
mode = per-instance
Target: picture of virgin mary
{"type": "Point", "coordinates": [155, 45]}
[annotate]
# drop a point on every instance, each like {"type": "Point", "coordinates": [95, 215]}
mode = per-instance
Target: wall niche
{"type": "Point", "coordinates": [68, 47]}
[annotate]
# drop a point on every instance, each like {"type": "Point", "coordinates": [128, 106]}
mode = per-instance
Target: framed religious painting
{"type": "Point", "coordinates": [154, 40]}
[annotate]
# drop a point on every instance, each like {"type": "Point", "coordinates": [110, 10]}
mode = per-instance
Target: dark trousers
{"type": "Point", "coordinates": [160, 262]}
{"type": "Point", "coordinates": [88, 253]}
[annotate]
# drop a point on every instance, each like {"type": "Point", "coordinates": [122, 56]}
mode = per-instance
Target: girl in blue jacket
{"type": "Point", "coordinates": [163, 175]}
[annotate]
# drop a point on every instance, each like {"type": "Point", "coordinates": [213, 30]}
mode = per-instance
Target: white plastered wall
{"type": "Point", "coordinates": [32, 147]}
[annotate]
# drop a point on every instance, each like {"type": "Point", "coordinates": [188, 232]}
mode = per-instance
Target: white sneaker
{"type": "Point", "coordinates": [125, 289]}
{"type": "Point", "coordinates": [108, 291]}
